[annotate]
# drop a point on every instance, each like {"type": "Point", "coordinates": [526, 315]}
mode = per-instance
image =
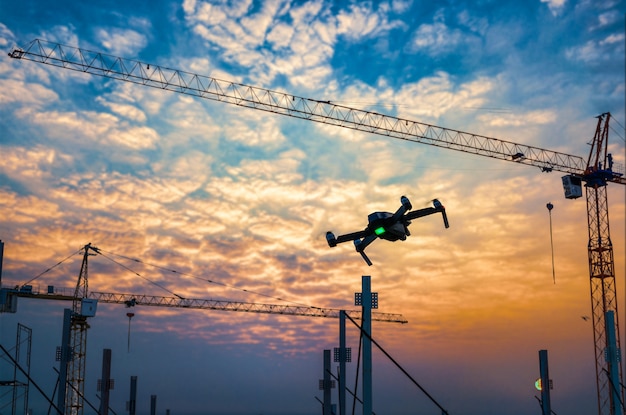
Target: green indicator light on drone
{"type": "Point", "coordinates": [379, 231]}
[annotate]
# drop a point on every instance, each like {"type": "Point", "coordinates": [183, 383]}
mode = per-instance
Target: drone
{"type": "Point", "coordinates": [388, 226]}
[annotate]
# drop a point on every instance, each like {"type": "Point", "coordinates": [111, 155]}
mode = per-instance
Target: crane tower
{"type": "Point", "coordinates": [596, 173]}
{"type": "Point", "coordinates": [602, 268]}
{"type": "Point", "coordinates": [76, 355]}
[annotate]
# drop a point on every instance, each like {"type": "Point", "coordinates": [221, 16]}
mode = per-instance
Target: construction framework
{"type": "Point", "coordinates": [73, 352]}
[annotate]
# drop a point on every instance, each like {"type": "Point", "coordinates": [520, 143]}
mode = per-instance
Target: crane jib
{"type": "Point", "coordinates": [321, 111]}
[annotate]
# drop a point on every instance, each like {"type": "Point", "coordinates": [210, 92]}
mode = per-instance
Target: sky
{"type": "Point", "coordinates": [238, 201]}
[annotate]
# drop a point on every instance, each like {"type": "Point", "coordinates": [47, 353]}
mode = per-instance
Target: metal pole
{"type": "Point", "coordinates": [64, 357]}
{"type": "Point", "coordinates": [612, 359]}
{"type": "Point", "coordinates": [367, 344]}
{"type": "Point", "coordinates": [342, 362]}
{"type": "Point", "coordinates": [545, 383]}
{"type": "Point", "coordinates": [132, 403]}
{"type": "Point", "coordinates": [1, 258]}
{"type": "Point", "coordinates": [105, 383]}
{"type": "Point", "coordinates": [326, 384]}
{"type": "Point", "coordinates": [153, 404]}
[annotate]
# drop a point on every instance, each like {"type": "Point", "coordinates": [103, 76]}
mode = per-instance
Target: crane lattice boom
{"type": "Point", "coordinates": [326, 112]}
{"type": "Point", "coordinates": [204, 304]}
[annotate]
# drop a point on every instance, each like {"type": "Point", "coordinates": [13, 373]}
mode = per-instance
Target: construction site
{"type": "Point", "coordinates": [182, 243]}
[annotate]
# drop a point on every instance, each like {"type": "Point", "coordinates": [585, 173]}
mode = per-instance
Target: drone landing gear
{"type": "Point", "coordinates": [361, 250]}
{"type": "Point", "coordinates": [365, 258]}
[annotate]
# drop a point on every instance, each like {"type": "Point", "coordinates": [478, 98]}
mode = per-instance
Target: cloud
{"type": "Point", "coordinates": [555, 6]}
{"type": "Point", "coordinates": [430, 97]}
{"type": "Point", "coordinates": [129, 112]}
{"type": "Point", "coordinates": [437, 38]}
{"type": "Point", "coordinates": [95, 127]}
{"type": "Point", "coordinates": [597, 51]}
{"type": "Point", "coordinates": [19, 92]}
{"type": "Point", "coordinates": [262, 131]}
{"type": "Point", "coordinates": [7, 38]}
{"type": "Point", "coordinates": [518, 120]}
{"type": "Point", "coordinates": [286, 42]}
{"type": "Point", "coordinates": [32, 164]}
{"type": "Point", "coordinates": [26, 210]}
{"type": "Point", "coordinates": [361, 21]}
{"type": "Point", "coordinates": [63, 34]}
{"type": "Point", "coordinates": [121, 42]}
{"type": "Point", "coordinates": [607, 18]}
{"type": "Point", "coordinates": [267, 42]}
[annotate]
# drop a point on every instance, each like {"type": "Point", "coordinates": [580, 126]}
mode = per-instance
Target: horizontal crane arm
{"type": "Point", "coordinates": [155, 76]}
{"type": "Point", "coordinates": [221, 305]}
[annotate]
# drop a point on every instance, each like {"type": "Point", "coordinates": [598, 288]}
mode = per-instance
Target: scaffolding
{"type": "Point", "coordinates": [14, 390]}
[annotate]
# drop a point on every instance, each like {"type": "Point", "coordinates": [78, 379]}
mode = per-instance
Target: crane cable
{"type": "Point", "coordinates": [140, 276]}
{"type": "Point", "coordinates": [550, 206]}
{"type": "Point", "coordinates": [199, 278]}
{"type": "Point", "coordinates": [370, 338]}
{"type": "Point", "coordinates": [52, 267]}
{"type": "Point", "coordinates": [100, 251]}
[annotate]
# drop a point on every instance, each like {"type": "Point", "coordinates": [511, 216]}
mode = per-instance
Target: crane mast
{"type": "Point", "coordinates": [595, 173]}
{"type": "Point", "coordinates": [602, 273]}
{"type": "Point", "coordinates": [74, 393]}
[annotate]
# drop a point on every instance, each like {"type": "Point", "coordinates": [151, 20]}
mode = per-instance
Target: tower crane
{"type": "Point", "coordinates": [84, 302]}
{"type": "Point", "coordinates": [593, 174]}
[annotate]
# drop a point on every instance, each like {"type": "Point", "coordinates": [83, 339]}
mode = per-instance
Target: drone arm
{"type": "Point", "coordinates": [351, 236]}
{"type": "Point", "coordinates": [429, 211]}
{"type": "Point", "coordinates": [360, 245]}
{"type": "Point", "coordinates": [421, 213]}
{"type": "Point", "coordinates": [404, 207]}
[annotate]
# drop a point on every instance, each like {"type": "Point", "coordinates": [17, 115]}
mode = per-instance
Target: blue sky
{"type": "Point", "coordinates": [243, 198]}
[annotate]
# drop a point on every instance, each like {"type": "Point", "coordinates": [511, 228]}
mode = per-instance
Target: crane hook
{"type": "Point", "coordinates": [550, 206]}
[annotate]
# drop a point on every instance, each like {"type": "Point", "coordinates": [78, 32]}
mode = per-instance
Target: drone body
{"type": "Point", "coordinates": [388, 226]}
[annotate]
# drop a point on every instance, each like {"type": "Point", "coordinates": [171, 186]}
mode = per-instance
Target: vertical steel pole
{"type": "Point", "coordinates": [342, 362]}
{"type": "Point", "coordinates": [153, 404]}
{"type": "Point", "coordinates": [1, 257]}
{"type": "Point", "coordinates": [326, 384]}
{"type": "Point", "coordinates": [64, 357]}
{"type": "Point", "coordinates": [545, 383]}
{"type": "Point", "coordinates": [105, 383]}
{"type": "Point", "coordinates": [132, 403]}
{"type": "Point", "coordinates": [612, 358]}
{"type": "Point", "coordinates": [367, 344]}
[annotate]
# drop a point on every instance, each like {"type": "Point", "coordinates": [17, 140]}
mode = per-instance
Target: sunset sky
{"type": "Point", "coordinates": [238, 201]}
